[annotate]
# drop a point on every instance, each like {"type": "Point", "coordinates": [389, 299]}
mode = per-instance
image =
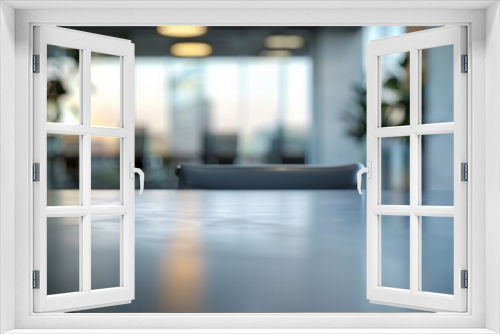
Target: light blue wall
{"type": "Point", "coordinates": [338, 66]}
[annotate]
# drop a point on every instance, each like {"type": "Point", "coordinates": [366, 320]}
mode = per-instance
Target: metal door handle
{"type": "Point", "coordinates": [141, 175]}
{"type": "Point", "coordinates": [368, 171]}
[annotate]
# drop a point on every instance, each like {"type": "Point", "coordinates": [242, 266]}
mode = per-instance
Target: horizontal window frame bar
{"type": "Point", "coordinates": [407, 130]}
{"type": "Point", "coordinates": [81, 130]}
{"type": "Point", "coordinates": [80, 211]}
{"type": "Point", "coordinates": [419, 210]}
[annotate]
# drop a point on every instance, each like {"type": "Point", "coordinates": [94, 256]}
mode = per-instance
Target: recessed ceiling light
{"type": "Point", "coordinates": [191, 49]}
{"type": "Point", "coordinates": [276, 53]}
{"type": "Point", "coordinates": [181, 31]}
{"type": "Point", "coordinates": [284, 42]}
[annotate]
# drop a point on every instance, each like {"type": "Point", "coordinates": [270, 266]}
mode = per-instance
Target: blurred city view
{"type": "Point", "coordinates": [257, 95]}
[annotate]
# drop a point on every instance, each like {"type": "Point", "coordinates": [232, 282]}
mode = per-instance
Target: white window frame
{"type": "Point", "coordinates": [413, 44]}
{"type": "Point", "coordinates": [86, 297]}
{"type": "Point", "coordinates": [483, 314]}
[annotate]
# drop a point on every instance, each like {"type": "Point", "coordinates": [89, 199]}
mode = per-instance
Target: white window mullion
{"type": "Point", "coordinates": [416, 120]}
{"type": "Point", "coordinates": [433, 129]}
{"type": "Point", "coordinates": [86, 190]}
{"type": "Point", "coordinates": [110, 132]}
{"type": "Point", "coordinates": [460, 155]}
{"type": "Point", "coordinates": [40, 156]}
{"type": "Point", "coordinates": [373, 186]}
{"type": "Point", "coordinates": [127, 251]}
{"type": "Point", "coordinates": [434, 211]}
{"type": "Point", "coordinates": [85, 169]}
{"type": "Point", "coordinates": [68, 129]}
{"type": "Point", "coordinates": [123, 166]}
{"type": "Point", "coordinates": [414, 172]}
{"type": "Point", "coordinates": [74, 129]}
{"type": "Point", "coordinates": [419, 210]}
{"type": "Point", "coordinates": [392, 131]}
{"type": "Point", "coordinates": [81, 187]}
{"type": "Point", "coordinates": [81, 168]}
{"type": "Point", "coordinates": [419, 129]}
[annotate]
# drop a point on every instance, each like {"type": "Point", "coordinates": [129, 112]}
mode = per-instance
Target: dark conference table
{"type": "Point", "coordinates": [258, 251]}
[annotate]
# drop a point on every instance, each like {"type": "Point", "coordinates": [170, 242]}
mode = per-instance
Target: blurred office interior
{"type": "Point", "coordinates": [253, 95]}
{"type": "Point", "coordinates": [246, 96]}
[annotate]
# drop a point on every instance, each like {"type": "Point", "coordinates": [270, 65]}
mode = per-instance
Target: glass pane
{"type": "Point", "coordinates": [63, 85]}
{"type": "Point", "coordinates": [105, 170]}
{"type": "Point", "coordinates": [437, 169]}
{"type": "Point", "coordinates": [395, 171]}
{"type": "Point", "coordinates": [437, 254]}
{"type": "Point", "coordinates": [437, 84]}
{"type": "Point", "coordinates": [63, 170]}
{"type": "Point", "coordinates": [395, 89]}
{"type": "Point", "coordinates": [395, 244]}
{"type": "Point", "coordinates": [105, 74]}
{"type": "Point", "coordinates": [105, 251]}
{"type": "Point", "coordinates": [63, 255]}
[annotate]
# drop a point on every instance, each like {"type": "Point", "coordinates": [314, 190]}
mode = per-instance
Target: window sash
{"type": "Point", "coordinates": [412, 43]}
{"type": "Point", "coordinates": [86, 297]}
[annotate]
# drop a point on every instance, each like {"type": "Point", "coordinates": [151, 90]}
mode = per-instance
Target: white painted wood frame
{"type": "Point", "coordinates": [414, 43]}
{"type": "Point", "coordinates": [483, 20]}
{"type": "Point", "coordinates": [86, 43]}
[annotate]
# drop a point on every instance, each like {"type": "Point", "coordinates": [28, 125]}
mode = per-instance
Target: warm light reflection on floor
{"type": "Point", "coordinates": [182, 268]}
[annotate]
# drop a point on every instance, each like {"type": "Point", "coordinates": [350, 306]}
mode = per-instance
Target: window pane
{"type": "Point", "coordinates": [395, 171]}
{"type": "Point", "coordinates": [395, 92]}
{"type": "Point", "coordinates": [63, 168]}
{"type": "Point", "coordinates": [221, 140]}
{"type": "Point", "coordinates": [105, 76]}
{"type": "Point", "coordinates": [106, 232]}
{"type": "Point", "coordinates": [63, 85]}
{"type": "Point", "coordinates": [437, 254]}
{"type": "Point", "coordinates": [189, 111]}
{"type": "Point", "coordinates": [105, 170]}
{"type": "Point", "coordinates": [262, 105]}
{"type": "Point", "coordinates": [437, 169]}
{"type": "Point", "coordinates": [395, 244]}
{"type": "Point", "coordinates": [63, 255]}
{"type": "Point", "coordinates": [437, 84]}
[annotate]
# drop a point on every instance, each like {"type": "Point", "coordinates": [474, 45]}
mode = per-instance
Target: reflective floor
{"type": "Point", "coordinates": [265, 251]}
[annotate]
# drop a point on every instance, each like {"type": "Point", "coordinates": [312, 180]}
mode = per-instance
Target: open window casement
{"type": "Point", "coordinates": [72, 134]}
{"type": "Point", "coordinates": [412, 206]}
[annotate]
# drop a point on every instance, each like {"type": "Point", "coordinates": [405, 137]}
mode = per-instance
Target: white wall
{"type": "Point", "coordinates": [492, 164]}
{"type": "Point", "coordinates": [7, 159]}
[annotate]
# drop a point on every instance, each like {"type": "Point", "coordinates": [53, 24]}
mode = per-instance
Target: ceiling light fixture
{"type": "Point", "coordinates": [181, 31]}
{"type": "Point", "coordinates": [284, 42]}
{"type": "Point", "coordinates": [191, 49]}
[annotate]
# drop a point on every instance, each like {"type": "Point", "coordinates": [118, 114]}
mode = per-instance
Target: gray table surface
{"type": "Point", "coordinates": [263, 251]}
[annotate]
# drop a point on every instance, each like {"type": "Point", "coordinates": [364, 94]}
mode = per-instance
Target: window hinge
{"type": "Point", "coordinates": [464, 171]}
{"type": "Point", "coordinates": [36, 172]}
{"type": "Point", "coordinates": [465, 64]}
{"type": "Point", "coordinates": [36, 279]}
{"type": "Point", "coordinates": [36, 63]}
{"type": "Point", "coordinates": [465, 279]}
